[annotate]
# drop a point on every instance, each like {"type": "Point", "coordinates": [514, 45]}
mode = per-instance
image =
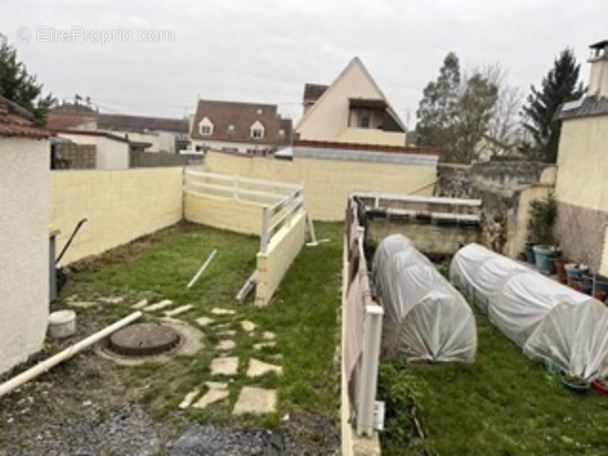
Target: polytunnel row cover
{"type": "Point", "coordinates": [551, 322]}
{"type": "Point", "coordinates": [426, 318]}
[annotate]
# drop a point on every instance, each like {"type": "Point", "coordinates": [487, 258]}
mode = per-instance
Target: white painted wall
{"type": "Point", "coordinates": [24, 243]}
{"type": "Point", "coordinates": [111, 154]}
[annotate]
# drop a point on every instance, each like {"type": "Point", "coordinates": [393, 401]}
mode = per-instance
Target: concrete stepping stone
{"type": "Point", "coordinates": [111, 299]}
{"type": "Point", "coordinates": [267, 335]}
{"type": "Point", "coordinates": [216, 385]}
{"type": "Point", "coordinates": [227, 333]}
{"type": "Point", "coordinates": [221, 311]}
{"type": "Point", "coordinates": [258, 368]}
{"type": "Point", "coordinates": [255, 400]}
{"type": "Point", "coordinates": [225, 345]}
{"type": "Point", "coordinates": [248, 326]}
{"type": "Point", "coordinates": [225, 366]}
{"type": "Point", "coordinates": [261, 345]}
{"type": "Point", "coordinates": [210, 397]}
{"type": "Point", "coordinates": [178, 311]}
{"type": "Point", "coordinates": [189, 398]}
{"type": "Point", "coordinates": [159, 305]}
{"type": "Point", "coordinates": [204, 321]}
{"type": "Point", "coordinates": [81, 304]}
{"type": "Point", "coordinates": [140, 305]}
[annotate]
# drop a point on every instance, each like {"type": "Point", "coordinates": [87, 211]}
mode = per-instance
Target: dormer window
{"type": "Point", "coordinates": [257, 130]}
{"type": "Point", "coordinates": [205, 127]}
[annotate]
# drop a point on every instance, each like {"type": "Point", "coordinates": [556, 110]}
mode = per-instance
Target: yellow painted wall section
{"type": "Point", "coordinates": [274, 263]}
{"type": "Point", "coordinates": [327, 183]}
{"type": "Point", "coordinates": [604, 265]}
{"type": "Point", "coordinates": [371, 136]}
{"type": "Point", "coordinates": [582, 170]}
{"type": "Point", "coordinates": [224, 213]}
{"type": "Point", "coordinates": [120, 206]}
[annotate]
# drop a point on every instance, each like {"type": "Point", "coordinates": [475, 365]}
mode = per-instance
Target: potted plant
{"type": "Point", "coordinates": [574, 273]}
{"type": "Point", "coordinates": [574, 382]}
{"type": "Point", "coordinates": [540, 233]}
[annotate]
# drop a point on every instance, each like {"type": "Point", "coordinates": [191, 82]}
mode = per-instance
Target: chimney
{"type": "Point", "coordinates": [598, 82]}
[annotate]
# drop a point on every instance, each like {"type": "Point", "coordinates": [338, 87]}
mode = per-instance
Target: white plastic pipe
{"type": "Point", "coordinates": [202, 269]}
{"type": "Point", "coordinates": [64, 355]}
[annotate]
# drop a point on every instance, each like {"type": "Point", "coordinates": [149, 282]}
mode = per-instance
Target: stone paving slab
{"type": "Point", "coordinates": [227, 333]}
{"type": "Point", "coordinates": [216, 385]}
{"type": "Point", "coordinates": [221, 311]}
{"type": "Point", "coordinates": [81, 304]}
{"type": "Point", "coordinates": [255, 400]}
{"type": "Point", "coordinates": [189, 398]}
{"type": "Point", "coordinates": [258, 368]}
{"type": "Point", "coordinates": [179, 310]}
{"type": "Point", "coordinates": [261, 345]}
{"type": "Point", "coordinates": [248, 326]}
{"type": "Point", "coordinates": [210, 397]}
{"type": "Point", "coordinates": [159, 305]}
{"type": "Point", "coordinates": [225, 345]}
{"type": "Point", "coordinates": [225, 366]}
{"type": "Point", "coordinates": [140, 305]}
{"type": "Point", "coordinates": [204, 321]}
{"type": "Point", "coordinates": [267, 335]}
{"type": "Point", "coordinates": [111, 299]}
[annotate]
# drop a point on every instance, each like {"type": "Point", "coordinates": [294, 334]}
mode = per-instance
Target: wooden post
{"type": "Point", "coordinates": [264, 232]}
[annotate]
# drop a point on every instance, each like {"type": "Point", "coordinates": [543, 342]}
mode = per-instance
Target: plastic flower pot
{"type": "Point", "coordinates": [600, 386]}
{"type": "Point", "coordinates": [585, 283]}
{"type": "Point", "coordinates": [544, 256]}
{"type": "Point", "coordinates": [574, 383]}
{"type": "Point", "coordinates": [530, 252]}
{"type": "Point", "coordinates": [601, 283]}
{"type": "Point", "coordinates": [574, 273]}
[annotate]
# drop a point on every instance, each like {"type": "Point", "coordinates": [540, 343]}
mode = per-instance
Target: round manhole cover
{"type": "Point", "coordinates": [144, 339]}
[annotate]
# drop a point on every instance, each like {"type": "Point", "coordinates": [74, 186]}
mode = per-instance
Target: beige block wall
{"type": "Point", "coordinates": [120, 206]}
{"type": "Point", "coordinates": [327, 183]}
{"type": "Point", "coordinates": [111, 154]}
{"type": "Point", "coordinates": [24, 243]}
{"type": "Point", "coordinates": [225, 213]}
{"type": "Point", "coordinates": [274, 263]}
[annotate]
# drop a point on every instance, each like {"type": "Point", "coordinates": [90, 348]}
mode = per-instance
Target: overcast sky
{"type": "Point", "coordinates": [265, 50]}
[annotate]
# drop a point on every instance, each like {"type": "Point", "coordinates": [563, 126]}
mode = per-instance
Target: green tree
{"type": "Point", "coordinates": [455, 112]}
{"type": "Point", "coordinates": [438, 105]}
{"type": "Point", "coordinates": [560, 85]}
{"type": "Point", "coordinates": [19, 86]}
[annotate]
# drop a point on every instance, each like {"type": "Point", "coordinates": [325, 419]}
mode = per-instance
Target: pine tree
{"type": "Point", "coordinates": [18, 85]}
{"type": "Point", "coordinates": [560, 85]}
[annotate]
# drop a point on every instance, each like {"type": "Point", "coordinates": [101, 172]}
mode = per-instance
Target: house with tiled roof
{"type": "Point", "coordinates": [24, 236]}
{"type": "Point", "coordinates": [247, 128]}
{"type": "Point", "coordinates": [163, 134]}
{"type": "Point", "coordinates": [352, 110]}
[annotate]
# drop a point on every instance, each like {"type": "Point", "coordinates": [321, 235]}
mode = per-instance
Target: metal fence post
{"type": "Point", "coordinates": [264, 232]}
{"type": "Point", "coordinates": [366, 396]}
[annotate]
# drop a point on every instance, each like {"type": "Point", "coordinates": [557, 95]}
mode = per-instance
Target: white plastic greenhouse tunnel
{"type": "Point", "coordinates": [565, 329]}
{"type": "Point", "coordinates": [425, 317]}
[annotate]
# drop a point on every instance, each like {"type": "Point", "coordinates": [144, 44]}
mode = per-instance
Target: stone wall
{"type": "Point", "coordinates": [500, 185]}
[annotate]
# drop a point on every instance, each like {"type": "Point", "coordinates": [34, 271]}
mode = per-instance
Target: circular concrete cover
{"type": "Point", "coordinates": [144, 339]}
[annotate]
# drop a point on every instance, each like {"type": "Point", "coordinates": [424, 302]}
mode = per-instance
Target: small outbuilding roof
{"type": "Point", "coordinates": [17, 122]}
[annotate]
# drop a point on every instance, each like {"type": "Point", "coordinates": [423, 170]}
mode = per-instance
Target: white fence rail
{"type": "Point", "coordinates": [279, 201]}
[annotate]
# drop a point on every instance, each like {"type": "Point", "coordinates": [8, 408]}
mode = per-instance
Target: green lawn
{"type": "Point", "coordinates": [504, 404]}
{"type": "Point", "coordinates": [302, 314]}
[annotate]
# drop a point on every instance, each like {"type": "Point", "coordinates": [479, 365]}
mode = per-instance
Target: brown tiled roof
{"type": "Point", "coordinates": [72, 108]}
{"type": "Point", "coordinates": [241, 116]}
{"type": "Point", "coordinates": [59, 120]}
{"type": "Point", "coordinates": [312, 92]}
{"type": "Point", "coordinates": [121, 122]}
{"type": "Point", "coordinates": [14, 122]}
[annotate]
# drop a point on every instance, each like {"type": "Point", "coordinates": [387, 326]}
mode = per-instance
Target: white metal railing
{"type": "Point", "coordinates": [280, 201]}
